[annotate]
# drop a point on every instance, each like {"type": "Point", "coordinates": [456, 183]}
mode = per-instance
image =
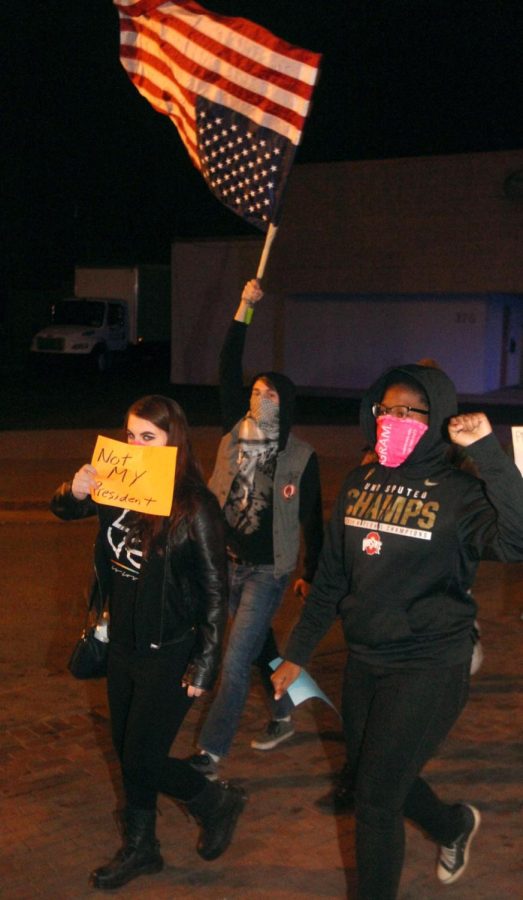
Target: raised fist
{"type": "Point", "coordinates": [469, 428]}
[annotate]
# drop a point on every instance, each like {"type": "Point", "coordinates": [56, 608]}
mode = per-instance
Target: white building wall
{"type": "Point", "coordinates": [441, 224]}
{"type": "Point", "coordinates": [411, 258]}
{"type": "Point", "coordinates": [207, 278]}
{"type": "Point", "coordinates": [346, 341]}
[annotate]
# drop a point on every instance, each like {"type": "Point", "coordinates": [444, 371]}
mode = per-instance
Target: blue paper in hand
{"type": "Point", "coordinates": [304, 687]}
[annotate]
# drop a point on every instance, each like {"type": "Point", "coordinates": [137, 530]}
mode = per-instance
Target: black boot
{"type": "Point", "coordinates": [216, 809]}
{"type": "Point", "coordinates": [139, 854]}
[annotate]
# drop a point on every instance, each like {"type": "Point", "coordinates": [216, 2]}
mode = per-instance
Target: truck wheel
{"type": "Point", "coordinates": [101, 358]}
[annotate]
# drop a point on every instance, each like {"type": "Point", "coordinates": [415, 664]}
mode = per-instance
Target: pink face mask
{"type": "Point", "coordinates": [396, 439]}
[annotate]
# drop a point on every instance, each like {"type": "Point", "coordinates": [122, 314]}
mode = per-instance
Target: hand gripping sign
{"type": "Point", "coordinates": [133, 476]}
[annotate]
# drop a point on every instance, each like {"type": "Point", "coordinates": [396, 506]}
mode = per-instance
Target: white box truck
{"type": "Point", "coordinates": [113, 308]}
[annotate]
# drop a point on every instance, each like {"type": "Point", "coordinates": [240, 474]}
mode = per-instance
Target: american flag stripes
{"type": "Point", "coordinates": [238, 95]}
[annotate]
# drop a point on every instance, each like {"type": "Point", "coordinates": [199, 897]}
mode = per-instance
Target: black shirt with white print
{"type": "Point", "coordinates": [125, 565]}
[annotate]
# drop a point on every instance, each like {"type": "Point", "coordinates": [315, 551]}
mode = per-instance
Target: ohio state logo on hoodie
{"type": "Point", "coordinates": [372, 544]}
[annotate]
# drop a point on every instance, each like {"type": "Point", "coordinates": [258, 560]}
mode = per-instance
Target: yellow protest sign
{"type": "Point", "coordinates": [134, 477]}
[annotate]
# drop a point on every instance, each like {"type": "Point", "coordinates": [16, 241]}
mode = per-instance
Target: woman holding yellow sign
{"type": "Point", "coordinates": [164, 581]}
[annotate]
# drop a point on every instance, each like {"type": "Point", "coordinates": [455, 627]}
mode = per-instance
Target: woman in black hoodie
{"type": "Point", "coordinates": [399, 560]}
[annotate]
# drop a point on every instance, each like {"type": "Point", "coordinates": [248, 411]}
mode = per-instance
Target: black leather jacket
{"type": "Point", "coordinates": [194, 593]}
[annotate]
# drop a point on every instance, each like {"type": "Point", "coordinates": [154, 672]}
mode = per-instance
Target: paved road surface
{"type": "Point", "coordinates": [58, 776]}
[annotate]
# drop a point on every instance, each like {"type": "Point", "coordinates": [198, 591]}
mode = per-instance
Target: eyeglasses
{"type": "Point", "coordinates": [400, 412]}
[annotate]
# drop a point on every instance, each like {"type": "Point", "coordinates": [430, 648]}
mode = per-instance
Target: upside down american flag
{"type": "Point", "coordinates": [238, 95]}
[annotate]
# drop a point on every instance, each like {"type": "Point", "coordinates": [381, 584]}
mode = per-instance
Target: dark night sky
{"type": "Point", "coordinates": [93, 174]}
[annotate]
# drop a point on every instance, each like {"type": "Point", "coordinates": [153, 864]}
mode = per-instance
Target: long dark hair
{"type": "Point", "coordinates": [166, 414]}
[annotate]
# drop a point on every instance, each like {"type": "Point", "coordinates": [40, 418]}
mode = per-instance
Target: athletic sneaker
{"type": "Point", "coordinates": [453, 860]}
{"type": "Point", "coordinates": [205, 764]}
{"type": "Point", "coordinates": [277, 730]}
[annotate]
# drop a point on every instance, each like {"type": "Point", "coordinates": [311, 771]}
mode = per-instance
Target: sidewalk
{"type": "Point", "coordinates": [59, 778]}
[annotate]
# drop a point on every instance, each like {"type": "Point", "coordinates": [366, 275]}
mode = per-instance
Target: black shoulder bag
{"type": "Point", "coordinates": [89, 657]}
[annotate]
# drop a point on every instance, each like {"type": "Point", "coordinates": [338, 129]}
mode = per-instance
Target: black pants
{"type": "Point", "coordinates": [147, 705]}
{"type": "Point", "coordinates": [394, 721]}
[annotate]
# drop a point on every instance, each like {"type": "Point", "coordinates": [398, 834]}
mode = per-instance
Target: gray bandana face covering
{"type": "Point", "coordinates": [258, 440]}
{"type": "Point", "coordinates": [257, 452]}
{"type": "Point", "coordinates": [266, 414]}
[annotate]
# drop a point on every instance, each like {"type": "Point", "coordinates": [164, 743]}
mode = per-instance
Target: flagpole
{"type": "Point", "coordinates": [269, 237]}
{"type": "Point", "coordinates": [272, 230]}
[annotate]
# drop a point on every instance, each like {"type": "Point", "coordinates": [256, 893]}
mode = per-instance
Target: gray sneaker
{"type": "Point", "coordinates": [453, 860]}
{"type": "Point", "coordinates": [277, 730]}
{"type": "Point", "coordinates": [204, 764]}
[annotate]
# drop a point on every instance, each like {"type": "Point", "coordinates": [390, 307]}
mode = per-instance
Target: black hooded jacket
{"type": "Point", "coordinates": [234, 403]}
{"type": "Point", "coordinates": [234, 396]}
{"type": "Point", "coordinates": [403, 545]}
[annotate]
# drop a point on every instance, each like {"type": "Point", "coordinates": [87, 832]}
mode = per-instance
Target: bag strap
{"type": "Point", "coordinates": [95, 604]}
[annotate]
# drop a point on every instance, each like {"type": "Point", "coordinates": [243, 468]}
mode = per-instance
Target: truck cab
{"type": "Point", "coordinates": [85, 326]}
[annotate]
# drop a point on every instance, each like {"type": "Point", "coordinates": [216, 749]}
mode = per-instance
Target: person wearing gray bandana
{"type": "Point", "coordinates": [268, 486]}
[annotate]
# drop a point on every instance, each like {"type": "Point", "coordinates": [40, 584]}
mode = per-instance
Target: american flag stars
{"type": "Point", "coordinates": [230, 87]}
{"type": "Point", "coordinates": [243, 164]}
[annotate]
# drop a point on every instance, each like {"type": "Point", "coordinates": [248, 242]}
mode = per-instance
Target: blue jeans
{"type": "Point", "coordinates": [254, 597]}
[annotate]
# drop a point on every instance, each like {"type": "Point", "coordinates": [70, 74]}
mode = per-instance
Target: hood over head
{"type": "Point", "coordinates": [433, 446]}
{"type": "Point", "coordinates": [287, 393]}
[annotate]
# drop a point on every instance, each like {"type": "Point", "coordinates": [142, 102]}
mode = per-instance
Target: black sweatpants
{"type": "Point", "coordinates": [394, 720]}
